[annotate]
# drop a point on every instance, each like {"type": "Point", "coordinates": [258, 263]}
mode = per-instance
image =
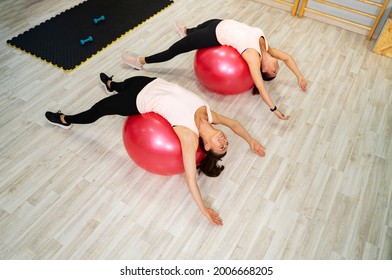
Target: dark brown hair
{"type": "Point", "coordinates": [209, 164]}
{"type": "Point", "coordinates": [266, 77]}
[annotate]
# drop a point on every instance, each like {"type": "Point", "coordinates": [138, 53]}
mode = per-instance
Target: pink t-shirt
{"type": "Point", "coordinates": [239, 35]}
{"type": "Point", "coordinates": [176, 104]}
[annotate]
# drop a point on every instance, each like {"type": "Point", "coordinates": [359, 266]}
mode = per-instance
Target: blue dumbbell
{"type": "Point", "coordinates": [101, 18]}
{"type": "Point", "coordinates": [84, 41]}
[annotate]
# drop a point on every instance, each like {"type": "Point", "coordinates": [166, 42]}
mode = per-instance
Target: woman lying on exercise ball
{"type": "Point", "coordinates": [189, 115]}
{"type": "Point", "coordinates": [249, 41]}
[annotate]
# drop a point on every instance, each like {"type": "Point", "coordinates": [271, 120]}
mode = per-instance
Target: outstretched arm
{"type": "Point", "coordinates": [189, 144]}
{"type": "Point", "coordinates": [289, 61]}
{"type": "Point", "coordinates": [238, 129]}
{"type": "Point", "coordinates": [252, 58]}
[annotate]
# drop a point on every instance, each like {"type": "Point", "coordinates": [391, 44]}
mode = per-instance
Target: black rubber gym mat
{"type": "Point", "coordinates": [75, 35]}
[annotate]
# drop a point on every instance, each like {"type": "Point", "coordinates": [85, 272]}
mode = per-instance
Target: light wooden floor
{"type": "Point", "coordinates": [322, 192]}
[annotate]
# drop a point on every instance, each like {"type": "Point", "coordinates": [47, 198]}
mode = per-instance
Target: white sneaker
{"type": "Point", "coordinates": [181, 29]}
{"type": "Point", "coordinates": [132, 60]}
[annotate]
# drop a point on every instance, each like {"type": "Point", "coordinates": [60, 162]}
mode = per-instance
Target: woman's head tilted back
{"type": "Point", "coordinates": [269, 68]}
{"type": "Point", "coordinates": [209, 164]}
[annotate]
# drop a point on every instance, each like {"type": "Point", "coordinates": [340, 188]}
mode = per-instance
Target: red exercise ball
{"type": "Point", "coordinates": [222, 70]}
{"type": "Point", "coordinates": [153, 145]}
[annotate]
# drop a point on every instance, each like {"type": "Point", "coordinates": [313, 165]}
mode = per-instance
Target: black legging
{"type": "Point", "coordinates": [199, 37]}
{"type": "Point", "coordinates": [123, 103]}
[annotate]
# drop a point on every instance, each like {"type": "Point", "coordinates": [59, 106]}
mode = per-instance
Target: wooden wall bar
{"type": "Point", "coordinates": [361, 16]}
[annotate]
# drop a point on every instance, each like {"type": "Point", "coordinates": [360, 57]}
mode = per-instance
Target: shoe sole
{"type": "Point", "coordinates": [134, 67]}
{"type": "Point", "coordinates": [106, 89]}
{"type": "Point", "coordinates": [59, 125]}
{"type": "Point", "coordinates": [179, 31]}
